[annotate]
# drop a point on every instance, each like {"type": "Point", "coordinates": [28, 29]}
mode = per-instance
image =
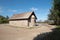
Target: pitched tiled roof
{"type": "Point", "coordinates": [21, 15]}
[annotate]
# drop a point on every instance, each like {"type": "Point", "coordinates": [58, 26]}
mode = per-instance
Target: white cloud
{"type": "Point", "coordinates": [14, 10]}
{"type": "Point", "coordinates": [10, 10]}
{"type": "Point", "coordinates": [34, 9]}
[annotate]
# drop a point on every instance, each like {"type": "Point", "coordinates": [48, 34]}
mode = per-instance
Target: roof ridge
{"type": "Point", "coordinates": [23, 13]}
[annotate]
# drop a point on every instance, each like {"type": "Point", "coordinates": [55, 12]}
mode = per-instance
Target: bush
{"type": "Point", "coordinates": [3, 19]}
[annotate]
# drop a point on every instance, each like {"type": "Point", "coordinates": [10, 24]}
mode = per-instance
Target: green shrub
{"type": "Point", "coordinates": [3, 19]}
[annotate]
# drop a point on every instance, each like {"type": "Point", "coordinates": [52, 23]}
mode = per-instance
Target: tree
{"type": "Point", "coordinates": [4, 19]}
{"type": "Point", "coordinates": [55, 12]}
{"type": "Point", "coordinates": [7, 19]}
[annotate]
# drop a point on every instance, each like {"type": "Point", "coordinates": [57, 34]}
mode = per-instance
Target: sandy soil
{"type": "Point", "coordinates": [8, 32]}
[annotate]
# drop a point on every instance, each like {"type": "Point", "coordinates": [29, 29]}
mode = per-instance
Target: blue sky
{"type": "Point", "coordinates": [40, 7]}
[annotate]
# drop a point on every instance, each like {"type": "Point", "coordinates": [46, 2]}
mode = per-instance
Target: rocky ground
{"type": "Point", "coordinates": [8, 32]}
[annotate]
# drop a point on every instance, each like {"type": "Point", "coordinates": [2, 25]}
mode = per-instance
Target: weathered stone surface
{"type": "Point", "coordinates": [29, 22]}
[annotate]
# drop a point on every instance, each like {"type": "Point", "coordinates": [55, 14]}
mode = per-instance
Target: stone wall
{"type": "Point", "coordinates": [19, 23]}
{"type": "Point", "coordinates": [32, 21]}
{"type": "Point", "coordinates": [24, 23]}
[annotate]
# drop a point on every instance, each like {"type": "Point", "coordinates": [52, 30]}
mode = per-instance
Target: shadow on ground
{"type": "Point", "coordinates": [54, 35]}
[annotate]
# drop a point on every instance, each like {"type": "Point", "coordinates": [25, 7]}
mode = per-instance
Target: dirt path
{"type": "Point", "coordinates": [12, 33]}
